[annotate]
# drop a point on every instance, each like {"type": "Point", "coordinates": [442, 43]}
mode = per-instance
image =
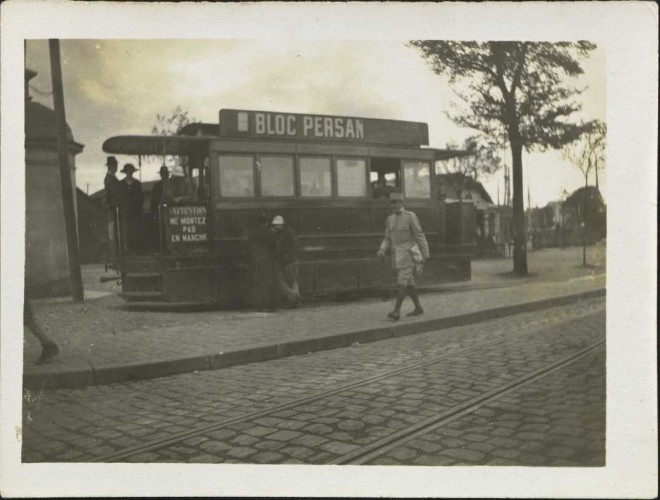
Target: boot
{"type": "Point", "coordinates": [48, 352]}
{"type": "Point", "coordinates": [400, 295]}
{"type": "Point", "coordinates": [412, 291]}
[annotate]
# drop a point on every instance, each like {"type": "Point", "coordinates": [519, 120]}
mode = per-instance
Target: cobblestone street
{"type": "Point", "coordinates": [527, 389]}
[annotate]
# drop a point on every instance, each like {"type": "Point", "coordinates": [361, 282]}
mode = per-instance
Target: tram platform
{"type": "Point", "coordinates": [167, 343]}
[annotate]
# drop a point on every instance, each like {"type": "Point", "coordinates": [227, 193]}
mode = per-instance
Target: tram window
{"type": "Point", "coordinates": [276, 175]}
{"type": "Point", "coordinates": [315, 177]}
{"type": "Point", "coordinates": [384, 177]}
{"type": "Point", "coordinates": [351, 177]}
{"type": "Point", "coordinates": [236, 176]}
{"type": "Point", "coordinates": [417, 179]}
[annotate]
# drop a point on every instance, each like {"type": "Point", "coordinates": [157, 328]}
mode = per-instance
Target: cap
{"type": "Point", "coordinates": [394, 197]}
{"type": "Point", "coordinates": [129, 167]}
{"type": "Point", "coordinates": [177, 171]}
{"type": "Point", "coordinates": [278, 219]}
{"type": "Point", "coordinates": [111, 160]}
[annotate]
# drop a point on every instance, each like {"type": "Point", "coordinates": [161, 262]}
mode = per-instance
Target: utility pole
{"type": "Point", "coordinates": [65, 173]}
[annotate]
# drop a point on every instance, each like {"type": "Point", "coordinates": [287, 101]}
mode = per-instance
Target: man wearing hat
{"type": "Point", "coordinates": [112, 200]}
{"type": "Point", "coordinates": [406, 242]}
{"type": "Point", "coordinates": [132, 198]}
{"type": "Point", "coordinates": [111, 183]}
{"type": "Point", "coordinates": [286, 246]}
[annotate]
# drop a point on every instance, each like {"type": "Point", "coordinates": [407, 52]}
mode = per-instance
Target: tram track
{"type": "Point", "coordinates": [112, 457]}
{"type": "Point", "coordinates": [377, 447]}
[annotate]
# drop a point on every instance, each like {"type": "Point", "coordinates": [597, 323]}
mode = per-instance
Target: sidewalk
{"type": "Point", "coordinates": [101, 342]}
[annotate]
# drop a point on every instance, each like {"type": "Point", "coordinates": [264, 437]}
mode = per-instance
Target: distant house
{"type": "Point", "coordinates": [489, 221]}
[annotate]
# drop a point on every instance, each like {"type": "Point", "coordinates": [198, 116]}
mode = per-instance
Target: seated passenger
{"type": "Point", "coordinates": [379, 189]}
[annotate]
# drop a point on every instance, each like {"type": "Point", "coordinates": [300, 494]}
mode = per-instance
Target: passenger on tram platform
{"type": "Point", "coordinates": [265, 287]}
{"type": "Point", "coordinates": [112, 201]}
{"type": "Point", "coordinates": [287, 257]}
{"type": "Point", "coordinates": [406, 242]}
{"type": "Point", "coordinates": [179, 187]}
{"type": "Point", "coordinates": [132, 200]}
{"type": "Point", "coordinates": [111, 184]}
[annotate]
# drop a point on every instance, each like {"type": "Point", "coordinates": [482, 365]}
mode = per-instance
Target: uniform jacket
{"type": "Point", "coordinates": [402, 232]}
{"type": "Point", "coordinates": [112, 190]}
{"type": "Point", "coordinates": [287, 246]}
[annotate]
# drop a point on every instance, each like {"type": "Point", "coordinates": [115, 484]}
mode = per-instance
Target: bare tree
{"type": "Point", "coordinates": [171, 124]}
{"type": "Point", "coordinates": [517, 86]}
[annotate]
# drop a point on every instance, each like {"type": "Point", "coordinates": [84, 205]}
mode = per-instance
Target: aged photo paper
{"type": "Point", "coordinates": [365, 39]}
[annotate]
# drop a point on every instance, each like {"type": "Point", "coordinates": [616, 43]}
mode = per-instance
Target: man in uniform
{"type": "Point", "coordinates": [407, 243]}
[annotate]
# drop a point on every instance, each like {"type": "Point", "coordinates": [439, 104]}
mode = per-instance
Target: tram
{"type": "Point", "coordinates": [327, 176]}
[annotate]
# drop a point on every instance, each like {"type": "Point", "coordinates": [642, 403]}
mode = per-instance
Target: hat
{"type": "Point", "coordinates": [129, 167]}
{"type": "Point", "coordinates": [111, 160]}
{"type": "Point", "coordinates": [163, 170]}
{"type": "Point", "coordinates": [177, 171]}
{"type": "Point", "coordinates": [278, 219]}
{"type": "Point", "coordinates": [394, 197]}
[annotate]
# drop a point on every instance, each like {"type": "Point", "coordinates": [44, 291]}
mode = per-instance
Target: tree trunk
{"type": "Point", "coordinates": [519, 236]}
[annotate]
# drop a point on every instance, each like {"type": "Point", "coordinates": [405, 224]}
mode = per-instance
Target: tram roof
{"type": "Point", "coordinates": [153, 145]}
{"type": "Point", "coordinates": [148, 145]}
{"type": "Point", "coordinates": [447, 154]}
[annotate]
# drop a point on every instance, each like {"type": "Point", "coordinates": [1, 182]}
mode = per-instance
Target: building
{"type": "Point", "coordinates": [46, 257]}
{"type": "Point", "coordinates": [485, 223]}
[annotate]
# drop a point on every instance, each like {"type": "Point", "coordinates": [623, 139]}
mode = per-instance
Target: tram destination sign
{"type": "Point", "coordinates": [320, 128]}
{"type": "Point", "coordinates": [186, 228]}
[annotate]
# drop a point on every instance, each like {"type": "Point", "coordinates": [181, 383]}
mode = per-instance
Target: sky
{"type": "Point", "coordinates": [117, 87]}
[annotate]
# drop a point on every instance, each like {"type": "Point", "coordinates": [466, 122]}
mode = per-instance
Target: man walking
{"type": "Point", "coordinates": [287, 256]}
{"type": "Point", "coordinates": [407, 244]}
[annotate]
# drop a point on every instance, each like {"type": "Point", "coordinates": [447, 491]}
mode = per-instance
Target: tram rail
{"type": "Point", "coordinates": [379, 446]}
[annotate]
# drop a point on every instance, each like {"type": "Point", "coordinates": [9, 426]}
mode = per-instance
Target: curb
{"type": "Point", "coordinates": [81, 376]}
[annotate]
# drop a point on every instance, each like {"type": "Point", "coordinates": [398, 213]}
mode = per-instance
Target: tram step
{"type": "Point", "coordinates": [143, 275]}
{"type": "Point", "coordinates": [141, 295]}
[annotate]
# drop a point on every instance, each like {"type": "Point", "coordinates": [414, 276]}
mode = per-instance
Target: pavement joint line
{"type": "Point", "coordinates": [383, 445]}
{"type": "Point", "coordinates": [308, 399]}
{"type": "Point", "coordinates": [100, 375]}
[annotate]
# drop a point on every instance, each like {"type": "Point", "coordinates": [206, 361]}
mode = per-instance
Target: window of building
{"type": "Point", "coordinates": [417, 179]}
{"type": "Point", "coordinates": [351, 177]}
{"type": "Point", "coordinates": [276, 175]}
{"type": "Point", "coordinates": [236, 176]}
{"type": "Point", "coordinates": [315, 177]}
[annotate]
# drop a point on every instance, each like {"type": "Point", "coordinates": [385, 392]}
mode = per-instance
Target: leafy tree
{"type": "Point", "coordinates": [517, 87]}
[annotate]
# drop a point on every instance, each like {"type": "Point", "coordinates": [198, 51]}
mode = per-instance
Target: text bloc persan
{"type": "Point", "coordinates": [186, 228]}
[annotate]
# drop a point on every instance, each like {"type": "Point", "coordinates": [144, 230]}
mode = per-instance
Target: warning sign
{"type": "Point", "coordinates": [186, 228]}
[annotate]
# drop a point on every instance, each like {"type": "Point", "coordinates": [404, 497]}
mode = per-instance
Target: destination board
{"type": "Point", "coordinates": [320, 128]}
{"type": "Point", "coordinates": [186, 228]}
